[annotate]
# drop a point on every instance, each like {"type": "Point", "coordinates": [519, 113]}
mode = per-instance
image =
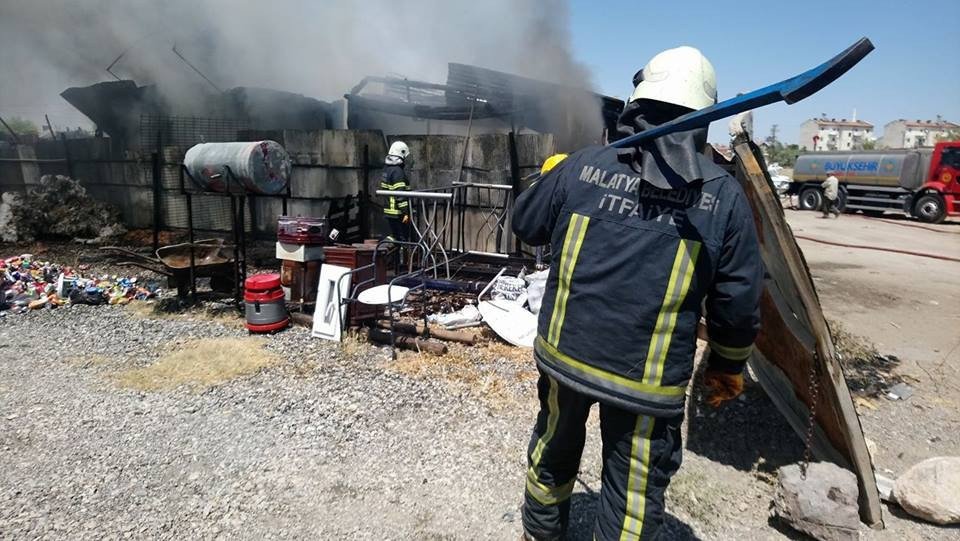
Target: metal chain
{"type": "Point", "coordinates": [813, 389]}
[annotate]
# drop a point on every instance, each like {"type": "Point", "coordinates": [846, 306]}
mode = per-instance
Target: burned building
{"type": "Point", "coordinates": [482, 101]}
{"type": "Point", "coordinates": [479, 127]}
{"type": "Point", "coordinates": [118, 107]}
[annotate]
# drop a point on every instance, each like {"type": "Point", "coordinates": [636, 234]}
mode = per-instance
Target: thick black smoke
{"type": "Point", "coordinates": [317, 48]}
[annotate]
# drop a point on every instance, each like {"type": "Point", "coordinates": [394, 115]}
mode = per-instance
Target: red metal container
{"type": "Point", "coordinates": [266, 310]}
{"type": "Point", "coordinates": [262, 283]}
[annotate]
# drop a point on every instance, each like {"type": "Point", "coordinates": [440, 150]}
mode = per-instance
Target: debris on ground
{"type": "Point", "coordinates": [930, 490]}
{"type": "Point", "coordinates": [437, 302]}
{"type": "Point", "coordinates": [867, 371]}
{"type": "Point", "coordinates": [463, 316]}
{"type": "Point", "coordinates": [900, 391]}
{"type": "Point", "coordinates": [57, 207]}
{"type": "Point", "coordinates": [823, 506]}
{"type": "Point", "coordinates": [491, 369]}
{"type": "Point", "coordinates": [510, 321]}
{"type": "Point", "coordinates": [29, 284]}
{"type": "Point", "coordinates": [884, 486]}
{"type": "Point", "coordinates": [508, 288]}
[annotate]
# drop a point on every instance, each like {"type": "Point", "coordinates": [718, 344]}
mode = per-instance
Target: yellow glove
{"type": "Point", "coordinates": [723, 387]}
{"type": "Point", "coordinates": [406, 219]}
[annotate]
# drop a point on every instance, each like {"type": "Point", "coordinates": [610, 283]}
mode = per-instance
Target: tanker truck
{"type": "Point", "coordinates": [923, 183]}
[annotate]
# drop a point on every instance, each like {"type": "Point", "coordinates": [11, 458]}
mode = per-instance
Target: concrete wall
{"type": "Point", "coordinates": [328, 167]}
{"type": "Point", "coordinates": [16, 177]}
{"type": "Point", "coordinates": [105, 173]}
{"type": "Point", "coordinates": [328, 175]}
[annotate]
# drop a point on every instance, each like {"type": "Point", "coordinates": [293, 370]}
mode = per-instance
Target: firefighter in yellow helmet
{"type": "Point", "coordinates": [641, 239]}
{"type": "Point", "coordinates": [394, 178]}
{"type": "Point", "coordinates": [551, 162]}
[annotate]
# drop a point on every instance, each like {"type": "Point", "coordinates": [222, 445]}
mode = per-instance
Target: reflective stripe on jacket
{"type": "Point", "coordinates": [394, 178]}
{"type": "Point", "coordinates": [632, 265]}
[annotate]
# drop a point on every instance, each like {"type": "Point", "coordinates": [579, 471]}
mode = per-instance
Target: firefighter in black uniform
{"type": "Point", "coordinates": [641, 238]}
{"type": "Point", "coordinates": [394, 178]}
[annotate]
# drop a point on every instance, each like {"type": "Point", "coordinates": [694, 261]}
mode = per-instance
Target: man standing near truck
{"type": "Point", "coordinates": [641, 237]}
{"type": "Point", "coordinates": [831, 190]}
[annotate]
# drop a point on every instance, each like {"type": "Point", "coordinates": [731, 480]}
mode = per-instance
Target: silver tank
{"type": "Point", "coordinates": [260, 166]}
{"type": "Point", "coordinates": [890, 168]}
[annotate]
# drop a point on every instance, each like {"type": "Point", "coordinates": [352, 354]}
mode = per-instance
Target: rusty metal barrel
{"type": "Point", "coordinates": [261, 167]}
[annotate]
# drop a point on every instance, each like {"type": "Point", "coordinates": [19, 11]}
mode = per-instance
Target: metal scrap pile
{"type": "Point", "coordinates": [57, 207]}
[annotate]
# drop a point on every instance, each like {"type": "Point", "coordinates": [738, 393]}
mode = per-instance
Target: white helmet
{"type": "Point", "coordinates": [399, 149]}
{"type": "Point", "coordinates": [681, 76]}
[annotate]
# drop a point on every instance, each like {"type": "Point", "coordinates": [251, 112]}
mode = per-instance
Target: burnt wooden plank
{"type": "Point", "coordinates": [795, 335]}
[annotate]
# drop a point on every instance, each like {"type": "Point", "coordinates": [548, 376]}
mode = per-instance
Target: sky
{"type": "Point", "coordinates": [914, 72]}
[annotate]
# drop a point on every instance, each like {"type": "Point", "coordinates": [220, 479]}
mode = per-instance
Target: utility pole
{"type": "Point", "coordinates": [773, 134]}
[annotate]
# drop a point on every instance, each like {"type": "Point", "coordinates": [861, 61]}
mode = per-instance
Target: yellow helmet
{"type": "Point", "coordinates": [551, 162]}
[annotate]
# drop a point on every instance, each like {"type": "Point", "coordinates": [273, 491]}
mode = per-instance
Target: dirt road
{"type": "Point", "coordinates": [906, 305]}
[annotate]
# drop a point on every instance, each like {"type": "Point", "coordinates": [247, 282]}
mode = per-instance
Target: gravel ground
{"type": "Point", "coordinates": [342, 450]}
{"type": "Point", "coordinates": [332, 442]}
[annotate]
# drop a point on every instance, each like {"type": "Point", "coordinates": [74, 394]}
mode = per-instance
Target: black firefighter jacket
{"type": "Point", "coordinates": [394, 178]}
{"type": "Point", "coordinates": [632, 265]}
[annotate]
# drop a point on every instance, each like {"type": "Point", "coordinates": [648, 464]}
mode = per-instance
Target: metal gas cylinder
{"type": "Point", "coordinates": [260, 166]}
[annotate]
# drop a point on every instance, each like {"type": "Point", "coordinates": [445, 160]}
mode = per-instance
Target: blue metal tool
{"type": "Point", "coordinates": [791, 90]}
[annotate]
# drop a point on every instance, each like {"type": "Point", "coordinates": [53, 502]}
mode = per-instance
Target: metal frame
{"type": "Point", "coordinates": [429, 237]}
{"type": "Point", "coordinates": [422, 273]}
{"type": "Point", "coordinates": [238, 199]}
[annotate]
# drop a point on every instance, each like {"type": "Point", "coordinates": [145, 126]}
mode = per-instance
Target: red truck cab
{"type": "Point", "coordinates": [940, 195]}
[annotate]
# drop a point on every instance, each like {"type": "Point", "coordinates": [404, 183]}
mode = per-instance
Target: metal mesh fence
{"type": "Point", "coordinates": [170, 137]}
{"type": "Point", "coordinates": [181, 131]}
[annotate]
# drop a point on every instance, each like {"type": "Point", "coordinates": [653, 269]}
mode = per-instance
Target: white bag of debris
{"type": "Point", "coordinates": [510, 321]}
{"type": "Point", "coordinates": [467, 314]}
{"type": "Point", "coordinates": [8, 226]}
{"type": "Point", "coordinates": [508, 288]}
{"type": "Point", "coordinates": [537, 285]}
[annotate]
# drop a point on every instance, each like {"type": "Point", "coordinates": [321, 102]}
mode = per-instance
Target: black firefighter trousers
{"type": "Point", "coordinates": [640, 454]}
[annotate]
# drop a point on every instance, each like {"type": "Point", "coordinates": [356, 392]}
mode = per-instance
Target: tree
{"type": "Point", "coordinates": [869, 144]}
{"type": "Point", "coordinates": [785, 155]}
{"type": "Point", "coordinates": [22, 126]}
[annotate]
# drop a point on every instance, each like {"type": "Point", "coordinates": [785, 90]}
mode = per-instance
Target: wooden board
{"type": "Point", "coordinates": [330, 314]}
{"type": "Point", "coordinates": [794, 336]}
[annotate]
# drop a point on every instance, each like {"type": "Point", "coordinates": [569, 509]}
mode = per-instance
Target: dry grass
{"type": "Point", "coordinates": [493, 371]}
{"type": "Point", "coordinates": [354, 343]}
{"type": "Point", "coordinates": [200, 364]}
